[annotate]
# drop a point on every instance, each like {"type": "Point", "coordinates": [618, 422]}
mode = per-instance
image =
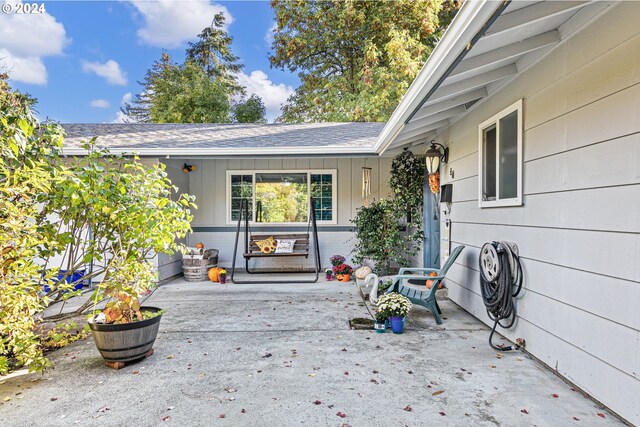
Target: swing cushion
{"type": "Point", "coordinates": [285, 246]}
{"type": "Point", "coordinates": [267, 245]}
{"type": "Point", "coordinates": [300, 245]}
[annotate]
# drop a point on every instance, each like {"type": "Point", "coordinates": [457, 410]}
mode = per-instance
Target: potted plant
{"type": "Point", "coordinates": [222, 276]}
{"type": "Point", "coordinates": [328, 274]}
{"type": "Point", "coordinates": [343, 272]}
{"type": "Point", "coordinates": [381, 322]}
{"type": "Point", "coordinates": [133, 217]}
{"type": "Point", "coordinates": [396, 307]}
{"type": "Point", "coordinates": [336, 260]}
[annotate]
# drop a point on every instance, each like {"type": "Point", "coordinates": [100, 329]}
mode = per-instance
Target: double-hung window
{"type": "Point", "coordinates": [282, 197]}
{"type": "Point", "coordinates": [500, 158]}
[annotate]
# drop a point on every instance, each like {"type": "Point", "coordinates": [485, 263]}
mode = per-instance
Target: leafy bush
{"type": "Point", "coordinates": [389, 231]}
{"type": "Point", "coordinates": [28, 172]}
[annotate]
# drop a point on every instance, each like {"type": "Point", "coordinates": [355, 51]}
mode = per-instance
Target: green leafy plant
{"type": "Point", "coordinates": [114, 214]}
{"type": "Point", "coordinates": [29, 170]}
{"type": "Point", "coordinates": [389, 231]}
{"type": "Point", "coordinates": [394, 305]}
{"type": "Point", "coordinates": [406, 180]}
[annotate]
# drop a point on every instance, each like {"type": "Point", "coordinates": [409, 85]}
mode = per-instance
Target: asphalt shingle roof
{"type": "Point", "coordinates": [133, 136]}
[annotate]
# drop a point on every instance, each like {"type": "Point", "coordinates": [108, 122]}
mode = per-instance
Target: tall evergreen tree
{"type": "Point", "coordinates": [198, 91]}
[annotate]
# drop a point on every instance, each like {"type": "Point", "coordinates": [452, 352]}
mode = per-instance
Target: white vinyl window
{"type": "Point", "coordinates": [282, 197]}
{"type": "Point", "coordinates": [500, 158]}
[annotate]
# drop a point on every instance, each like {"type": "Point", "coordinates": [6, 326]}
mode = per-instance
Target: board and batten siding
{"type": "Point", "coordinates": [208, 184]}
{"type": "Point", "coordinates": [579, 228]}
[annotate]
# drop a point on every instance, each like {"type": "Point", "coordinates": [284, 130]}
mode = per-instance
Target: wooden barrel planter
{"type": "Point", "coordinates": [195, 270]}
{"type": "Point", "coordinates": [128, 341]}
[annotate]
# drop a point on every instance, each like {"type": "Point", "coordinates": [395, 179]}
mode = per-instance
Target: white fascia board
{"type": "Point", "coordinates": [469, 20]}
{"type": "Point", "coordinates": [231, 152]}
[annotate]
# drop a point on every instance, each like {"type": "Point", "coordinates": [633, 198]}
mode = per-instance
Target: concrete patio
{"type": "Point", "coordinates": [256, 355]}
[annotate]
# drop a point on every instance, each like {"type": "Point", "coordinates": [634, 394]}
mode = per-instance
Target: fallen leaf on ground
{"type": "Point", "coordinates": [344, 349]}
{"type": "Point", "coordinates": [601, 415]}
{"type": "Point", "coordinates": [492, 366]}
{"type": "Point", "coordinates": [243, 411]}
{"type": "Point", "coordinates": [317, 402]}
{"type": "Point", "coordinates": [555, 395]}
{"type": "Point", "coordinates": [53, 399]}
{"type": "Point", "coordinates": [135, 373]}
{"type": "Point", "coordinates": [346, 373]}
{"type": "Point", "coordinates": [103, 409]}
{"type": "Point", "coordinates": [442, 413]}
{"type": "Point", "coordinates": [267, 355]}
{"type": "Point", "coordinates": [524, 411]}
{"type": "Point", "coordinates": [165, 418]}
{"type": "Point", "coordinates": [230, 390]}
{"type": "Point", "coordinates": [435, 393]}
{"type": "Point", "coordinates": [408, 408]}
{"type": "Point", "coordinates": [373, 380]}
{"type": "Point", "coordinates": [410, 372]}
{"type": "Point", "coordinates": [341, 414]}
{"type": "Point", "coordinates": [311, 375]}
{"type": "Point", "coordinates": [171, 356]}
{"type": "Point", "coordinates": [374, 372]}
{"type": "Point", "coordinates": [576, 418]}
{"type": "Point", "coordinates": [221, 416]}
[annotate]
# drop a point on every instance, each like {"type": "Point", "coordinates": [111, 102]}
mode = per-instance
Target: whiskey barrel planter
{"type": "Point", "coordinates": [128, 341]}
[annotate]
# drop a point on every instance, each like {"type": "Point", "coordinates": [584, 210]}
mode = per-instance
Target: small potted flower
{"type": "Point", "coordinates": [343, 272]}
{"type": "Point", "coordinates": [396, 307]}
{"type": "Point", "coordinates": [328, 274]}
{"type": "Point", "coordinates": [381, 322]}
{"type": "Point", "coordinates": [222, 276]}
{"type": "Point", "coordinates": [336, 260]}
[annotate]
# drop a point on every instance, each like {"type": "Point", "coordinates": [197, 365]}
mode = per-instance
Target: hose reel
{"type": "Point", "coordinates": [500, 283]}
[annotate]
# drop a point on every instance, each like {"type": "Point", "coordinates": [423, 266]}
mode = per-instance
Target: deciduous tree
{"type": "Point", "coordinates": [355, 58]}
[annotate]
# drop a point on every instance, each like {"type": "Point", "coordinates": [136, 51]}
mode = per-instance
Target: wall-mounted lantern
{"type": "Point", "coordinates": [434, 156]}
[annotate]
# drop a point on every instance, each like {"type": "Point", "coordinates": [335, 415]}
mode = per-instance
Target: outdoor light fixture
{"type": "Point", "coordinates": [188, 168]}
{"type": "Point", "coordinates": [433, 157]}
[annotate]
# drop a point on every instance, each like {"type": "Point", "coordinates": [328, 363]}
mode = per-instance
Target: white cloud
{"type": "Point", "coordinates": [110, 71]}
{"type": "Point", "coordinates": [268, 37]}
{"type": "Point", "coordinates": [127, 98]}
{"type": "Point", "coordinates": [27, 70]}
{"type": "Point", "coordinates": [25, 39]}
{"type": "Point", "coordinates": [273, 94]}
{"type": "Point", "coordinates": [100, 103]}
{"type": "Point", "coordinates": [121, 117]}
{"type": "Point", "coordinates": [168, 23]}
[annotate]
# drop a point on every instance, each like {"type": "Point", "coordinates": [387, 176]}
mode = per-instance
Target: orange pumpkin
{"type": "Point", "coordinates": [200, 245]}
{"type": "Point", "coordinates": [213, 274]}
{"type": "Point", "coordinates": [430, 282]}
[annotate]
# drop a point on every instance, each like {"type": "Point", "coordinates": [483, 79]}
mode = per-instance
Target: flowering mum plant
{"type": "Point", "coordinates": [394, 305]}
{"type": "Point", "coordinates": [343, 269]}
{"type": "Point", "coordinates": [336, 260]}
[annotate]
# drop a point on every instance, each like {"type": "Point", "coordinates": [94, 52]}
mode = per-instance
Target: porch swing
{"type": "Point", "coordinates": [301, 246]}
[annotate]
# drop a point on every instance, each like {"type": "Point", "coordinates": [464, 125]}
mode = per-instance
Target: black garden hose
{"type": "Point", "coordinates": [500, 285]}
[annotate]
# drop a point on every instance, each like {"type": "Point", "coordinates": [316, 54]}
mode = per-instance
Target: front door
{"type": "Point", "coordinates": [431, 213]}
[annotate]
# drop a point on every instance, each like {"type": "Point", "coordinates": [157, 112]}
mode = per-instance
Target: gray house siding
{"type": "Point", "coordinates": [208, 184]}
{"type": "Point", "coordinates": [579, 228]}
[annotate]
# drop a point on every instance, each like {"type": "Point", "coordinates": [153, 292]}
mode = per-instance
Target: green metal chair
{"type": "Point", "coordinates": [418, 293]}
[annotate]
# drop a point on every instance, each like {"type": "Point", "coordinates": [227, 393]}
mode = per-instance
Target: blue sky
{"type": "Point", "coordinates": [82, 58]}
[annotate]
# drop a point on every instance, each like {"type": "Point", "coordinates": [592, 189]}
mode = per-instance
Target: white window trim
{"type": "Point", "coordinates": [309, 172]}
{"type": "Point", "coordinates": [495, 120]}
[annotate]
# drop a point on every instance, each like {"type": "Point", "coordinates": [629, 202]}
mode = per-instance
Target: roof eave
{"type": "Point", "coordinates": [233, 152]}
{"type": "Point", "coordinates": [468, 23]}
